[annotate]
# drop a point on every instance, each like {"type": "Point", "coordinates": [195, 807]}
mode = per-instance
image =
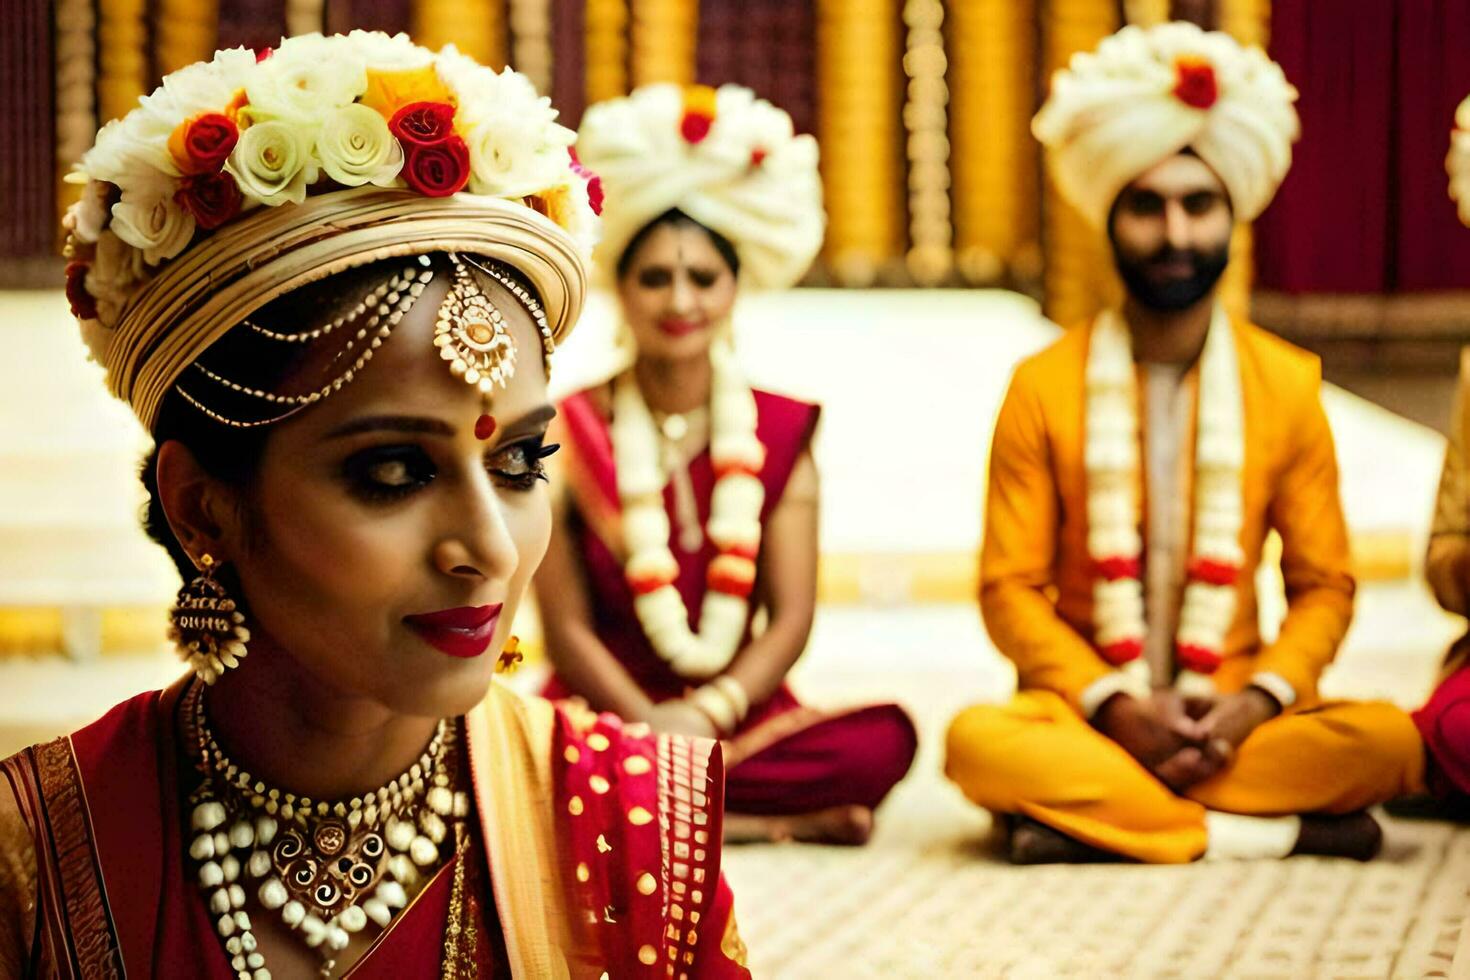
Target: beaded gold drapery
{"type": "Point", "coordinates": [858, 128]}
{"type": "Point", "coordinates": [994, 159]}
{"type": "Point", "coordinates": [606, 49]}
{"type": "Point", "coordinates": [530, 41]}
{"type": "Point", "coordinates": [476, 27]}
{"type": "Point", "coordinates": [663, 36]}
{"type": "Point", "coordinates": [931, 232]}
{"type": "Point", "coordinates": [75, 33]}
{"type": "Point", "coordinates": [1079, 277]}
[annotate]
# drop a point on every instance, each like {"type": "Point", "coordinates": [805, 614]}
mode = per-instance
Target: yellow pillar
{"type": "Point", "coordinates": [184, 32]}
{"type": "Point", "coordinates": [122, 56]}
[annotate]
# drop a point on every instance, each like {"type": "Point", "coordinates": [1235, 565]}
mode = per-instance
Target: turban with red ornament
{"type": "Point", "coordinates": [722, 156]}
{"type": "Point", "coordinates": [1146, 94]}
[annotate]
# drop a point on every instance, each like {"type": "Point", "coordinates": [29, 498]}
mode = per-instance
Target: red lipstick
{"type": "Point", "coordinates": [676, 327]}
{"type": "Point", "coordinates": [464, 632]}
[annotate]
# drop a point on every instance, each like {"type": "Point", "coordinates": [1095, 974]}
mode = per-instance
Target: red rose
{"type": "Point", "coordinates": [758, 156]}
{"type": "Point", "coordinates": [1196, 85]}
{"type": "Point", "coordinates": [439, 169]}
{"type": "Point", "coordinates": [204, 143]}
{"type": "Point", "coordinates": [263, 53]}
{"type": "Point", "coordinates": [83, 306]}
{"type": "Point", "coordinates": [694, 127]}
{"type": "Point", "coordinates": [212, 198]}
{"type": "Point", "coordinates": [422, 123]}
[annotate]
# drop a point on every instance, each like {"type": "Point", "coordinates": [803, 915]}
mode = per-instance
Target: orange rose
{"type": "Point", "coordinates": [389, 91]}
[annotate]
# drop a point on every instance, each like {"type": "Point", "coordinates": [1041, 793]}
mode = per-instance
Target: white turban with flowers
{"type": "Point", "coordinates": [725, 158]}
{"type": "Point", "coordinates": [1458, 163]}
{"type": "Point", "coordinates": [1148, 93]}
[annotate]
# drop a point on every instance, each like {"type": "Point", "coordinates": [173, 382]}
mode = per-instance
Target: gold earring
{"type": "Point", "coordinates": [510, 657]}
{"type": "Point", "coordinates": [205, 627]}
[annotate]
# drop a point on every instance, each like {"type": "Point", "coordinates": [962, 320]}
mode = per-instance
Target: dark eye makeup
{"type": "Point", "coordinates": [388, 473]}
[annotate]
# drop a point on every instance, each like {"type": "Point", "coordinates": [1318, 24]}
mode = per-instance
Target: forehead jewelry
{"type": "Point", "coordinates": [379, 312]}
{"type": "Point", "coordinates": [471, 333]}
{"type": "Point", "coordinates": [485, 425]}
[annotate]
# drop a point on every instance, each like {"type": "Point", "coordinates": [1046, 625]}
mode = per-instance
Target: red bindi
{"type": "Point", "coordinates": [484, 427]}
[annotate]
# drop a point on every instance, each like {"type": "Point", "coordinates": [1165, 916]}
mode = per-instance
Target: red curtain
{"type": "Point", "coordinates": [1366, 206]}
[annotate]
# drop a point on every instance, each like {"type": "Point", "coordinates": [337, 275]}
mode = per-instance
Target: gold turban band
{"type": "Point", "coordinates": [200, 296]}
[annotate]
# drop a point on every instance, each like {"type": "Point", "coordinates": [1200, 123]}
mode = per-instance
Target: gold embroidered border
{"type": "Point", "coordinates": [93, 939]}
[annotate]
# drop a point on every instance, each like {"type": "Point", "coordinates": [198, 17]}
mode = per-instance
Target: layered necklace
{"type": "Point", "coordinates": [1114, 542]}
{"type": "Point", "coordinates": [326, 868]}
{"type": "Point", "coordinates": [734, 525]}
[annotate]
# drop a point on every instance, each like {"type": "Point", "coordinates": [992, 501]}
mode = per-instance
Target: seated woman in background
{"type": "Point", "coordinates": [341, 358]}
{"type": "Point", "coordinates": [692, 499]}
{"type": "Point", "coordinates": [1445, 720]}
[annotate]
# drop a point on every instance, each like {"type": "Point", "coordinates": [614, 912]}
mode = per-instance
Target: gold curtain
{"type": "Point", "coordinates": [664, 37]}
{"type": "Point", "coordinates": [1079, 279]}
{"type": "Point", "coordinates": [606, 50]}
{"type": "Point", "coordinates": [476, 27]}
{"type": "Point", "coordinates": [858, 127]}
{"type": "Point", "coordinates": [122, 56]}
{"type": "Point", "coordinates": [184, 32]}
{"type": "Point", "coordinates": [996, 163]}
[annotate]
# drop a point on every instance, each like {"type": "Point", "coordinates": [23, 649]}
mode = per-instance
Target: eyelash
{"type": "Point", "coordinates": [357, 470]}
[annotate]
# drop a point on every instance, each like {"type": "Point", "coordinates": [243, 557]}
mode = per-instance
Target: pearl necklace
{"type": "Point", "coordinates": [325, 868]}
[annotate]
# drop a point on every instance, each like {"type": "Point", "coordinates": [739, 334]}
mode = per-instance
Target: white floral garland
{"type": "Point", "coordinates": [1114, 541]}
{"type": "Point", "coordinates": [734, 523]}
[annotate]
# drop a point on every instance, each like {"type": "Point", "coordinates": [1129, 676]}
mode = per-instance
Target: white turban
{"type": "Point", "coordinates": [726, 159]}
{"type": "Point", "coordinates": [1459, 160]}
{"type": "Point", "coordinates": [1147, 93]}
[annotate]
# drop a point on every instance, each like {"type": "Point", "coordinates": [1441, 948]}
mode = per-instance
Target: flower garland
{"type": "Point", "coordinates": [1114, 542]}
{"type": "Point", "coordinates": [931, 233]}
{"type": "Point", "coordinates": [249, 130]}
{"type": "Point", "coordinates": [734, 523]}
{"type": "Point", "coordinates": [1458, 161]}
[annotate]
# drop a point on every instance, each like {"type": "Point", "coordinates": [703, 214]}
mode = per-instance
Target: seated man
{"type": "Point", "coordinates": [1137, 466]}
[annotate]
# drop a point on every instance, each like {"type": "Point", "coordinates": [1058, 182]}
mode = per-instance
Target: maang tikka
{"type": "Point", "coordinates": [471, 333]}
{"type": "Point", "coordinates": [205, 625]}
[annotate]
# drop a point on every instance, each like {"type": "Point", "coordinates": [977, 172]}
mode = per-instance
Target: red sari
{"type": "Point", "coordinates": [785, 758]}
{"type": "Point", "coordinates": [105, 815]}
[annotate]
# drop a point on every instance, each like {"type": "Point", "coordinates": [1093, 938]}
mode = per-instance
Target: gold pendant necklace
{"type": "Point", "coordinates": [326, 868]}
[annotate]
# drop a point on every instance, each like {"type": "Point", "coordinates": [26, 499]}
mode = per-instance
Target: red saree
{"type": "Point", "coordinates": [113, 898]}
{"type": "Point", "coordinates": [785, 758]}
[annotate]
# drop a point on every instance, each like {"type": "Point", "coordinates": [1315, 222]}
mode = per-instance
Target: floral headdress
{"type": "Point", "coordinates": [371, 140]}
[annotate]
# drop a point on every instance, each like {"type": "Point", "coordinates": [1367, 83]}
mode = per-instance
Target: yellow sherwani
{"type": "Point", "coordinates": [1038, 755]}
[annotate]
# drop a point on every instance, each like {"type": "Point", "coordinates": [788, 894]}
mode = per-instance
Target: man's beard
{"type": "Point", "coordinates": [1175, 294]}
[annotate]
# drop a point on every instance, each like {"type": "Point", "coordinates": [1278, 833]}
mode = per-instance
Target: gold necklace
{"type": "Point", "coordinates": [326, 868]}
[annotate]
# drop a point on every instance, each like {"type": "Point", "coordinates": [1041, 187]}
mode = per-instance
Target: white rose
{"type": "Point", "coordinates": [117, 268]}
{"type": "Point", "coordinates": [304, 79]}
{"type": "Point", "coordinates": [130, 151]}
{"type": "Point", "coordinates": [210, 86]}
{"type": "Point", "coordinates": [272, 163]}
{"type": "Point", "coordinates": [355, 147]}
{"type": "Point", "coordinates": [384, 53]}
{"type": "Point", "coordinates": [148, 218]}
{"type": "Point", "coordinates": [511, 156]}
